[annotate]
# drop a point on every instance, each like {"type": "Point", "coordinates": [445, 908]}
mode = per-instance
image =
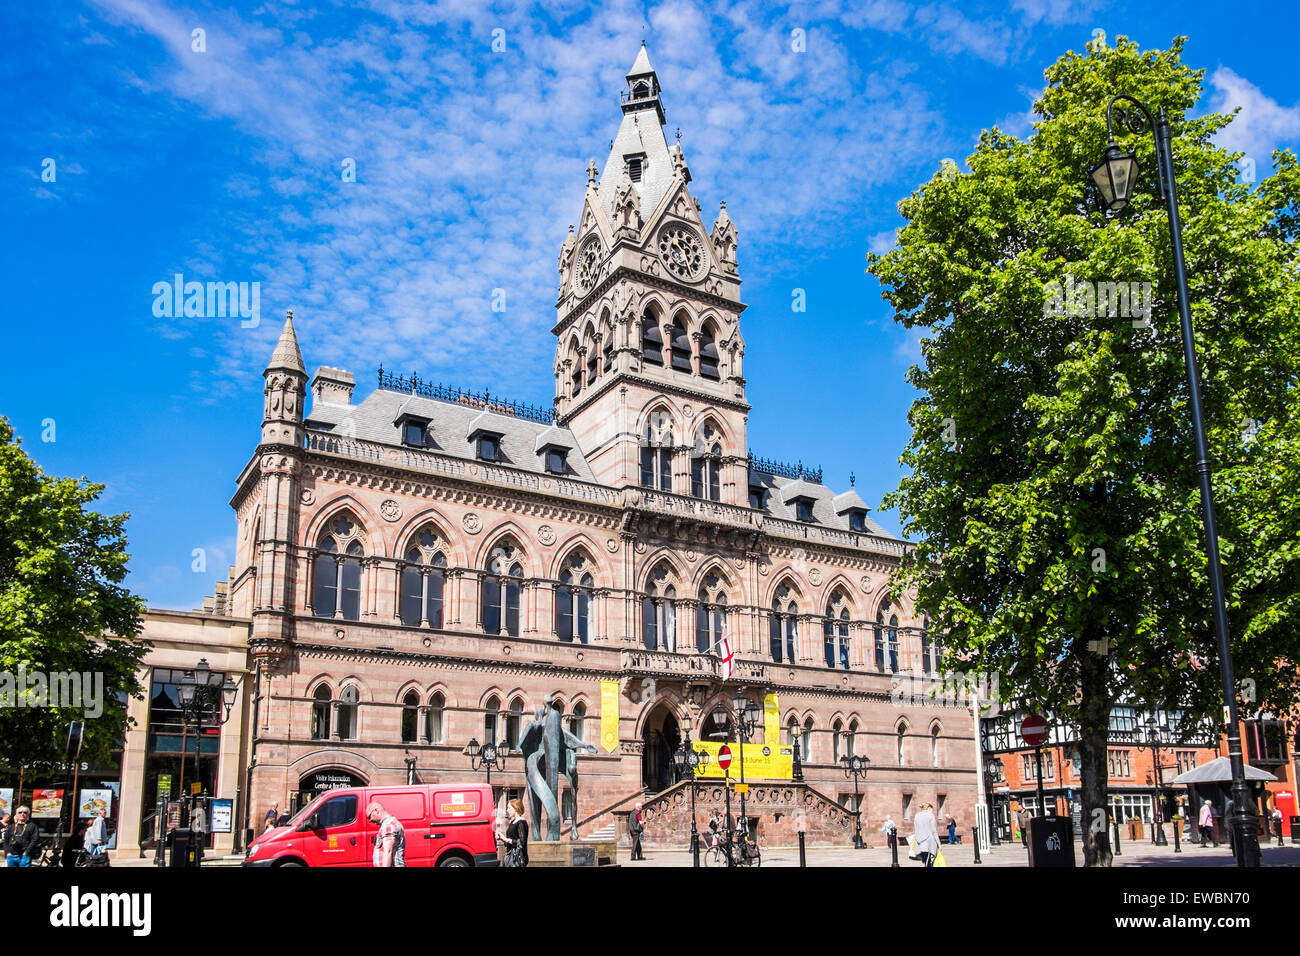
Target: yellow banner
{"type": "Point", "coordinates": [771, 721]}
{"type": "Point", "coordinates": [609, 715]}
{"type": "Point", "coordinates": [762, 762]}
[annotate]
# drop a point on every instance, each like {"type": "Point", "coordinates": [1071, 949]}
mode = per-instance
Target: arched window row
{"type": "Point", "coordinates": [335, 718]}
{"type": "Point", "coordinates": [504, 726]}
{"type": "Point", "coordinates": [677, 345]}
{"type": "Point", "coordinates": [423, 722]}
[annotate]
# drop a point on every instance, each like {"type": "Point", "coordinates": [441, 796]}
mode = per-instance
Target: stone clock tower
{"type": "Point", "coordinates": [649, 355]}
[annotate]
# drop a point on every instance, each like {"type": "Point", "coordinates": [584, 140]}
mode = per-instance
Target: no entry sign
{"type": "Point", "coordinates": [1033, 730]}
{"type": "Point", "coordinates": [724, 757]}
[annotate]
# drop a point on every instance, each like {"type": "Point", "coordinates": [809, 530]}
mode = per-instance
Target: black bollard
{"type": "Point", "coordinates": [893, 847]}
{"type": "Point", "coordinates": [976, 832]}
{"type": "Point", "coordinates": [803, 859]}
{"type": "Point", "coordinates": [1178, 841]}
{"type": "Point", "coordinates": [1118, 851]}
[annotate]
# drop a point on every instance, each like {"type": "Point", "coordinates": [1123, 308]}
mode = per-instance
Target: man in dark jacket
{"type": "Point", "coordinates": [634, 830]}
{"type": "Point", "coordinates": [21, 838]}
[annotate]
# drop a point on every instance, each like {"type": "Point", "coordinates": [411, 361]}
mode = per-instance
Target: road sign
{"type": "Point", "coordinates": [1033, 730]}
{"type": "Point", "coordinates": [742, 788]}
{"type": "Point", "coordinates": [724, 757]}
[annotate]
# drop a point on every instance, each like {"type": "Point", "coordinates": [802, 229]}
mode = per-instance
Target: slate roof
{"type": "Point", "coordinates": [829, 509]}
{"type": "Point", "coordinates": [377, 418]}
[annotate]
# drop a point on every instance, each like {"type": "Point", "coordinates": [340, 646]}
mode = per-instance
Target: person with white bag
{"type": "Point", "coordinates": [924, 843]}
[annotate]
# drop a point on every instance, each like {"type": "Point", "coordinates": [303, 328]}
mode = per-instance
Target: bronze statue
{"type": "Point", "coordinates": [548, 751]}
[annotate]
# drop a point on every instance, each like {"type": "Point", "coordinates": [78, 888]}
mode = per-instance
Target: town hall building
{"type": "Point", "coordinates": [422, 566]}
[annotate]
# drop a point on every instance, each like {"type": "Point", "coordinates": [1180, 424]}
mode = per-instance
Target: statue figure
{"type": "Point", "coordinates": [550, 750]}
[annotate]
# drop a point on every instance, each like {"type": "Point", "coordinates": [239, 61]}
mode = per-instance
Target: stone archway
{"type": "Point", "coordinates": [660, 737]}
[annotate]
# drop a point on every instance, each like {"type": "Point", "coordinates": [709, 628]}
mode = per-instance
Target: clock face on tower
{"type": "Point", "coordinates": [588, 263]}
{"type": "Point", "coordinates": [680, 250]}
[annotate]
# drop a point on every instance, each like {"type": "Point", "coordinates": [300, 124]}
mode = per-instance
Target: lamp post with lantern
{"type": "Point", "coordinates": [1152, 737]}
{"type": "Point", "coordinates": [1115, 177]}
{"type": "Point", "coordinates": [205, 696]}
{"type": "Point", "coordinates": [486, 757]}
{"type": "Point", "coordinates": [856, 767]}
{"type": "Point", "coordinates": [746, 715]}
{"type": "Point", "coordinates": [691, 762]}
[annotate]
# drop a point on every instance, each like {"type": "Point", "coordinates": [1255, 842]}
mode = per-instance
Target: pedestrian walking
{"type": "Point", "coordinates": [1276, 817]}
{"type": "Point", "coordinates": [952, 829]}
{"type": "Point", "coordinates": [271, 820]}
{"type": "Point", "coordinates": [1023, 818]}
{"type": "Point", "coordinates": [635, 831]}
{"type": "Point", "coordinates": [390, 837]}
{"type": "Point", "coordinates": [925, 833]}
{"type": "Point", "coordinates": [97, 835]}
{"type": "Point", "coordinates": [516, 838]}
{"type": "Point", "coordinates": [1206, 823]}
{"type": "Point", "coordinates": [21, 838]}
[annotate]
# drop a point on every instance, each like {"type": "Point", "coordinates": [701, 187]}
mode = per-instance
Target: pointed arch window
{"type": "Point", "coordinates": [659, 613]}
{"type": "Point", "coordinates": [502, 585]}
{"type": "Point", "coordinates": [710, 616]}
{"type": "Point", "coordinates": [851, 739]}
{"type": "Point", "coordinates": [901, 737]}
{"type": "Point", "coordinates": [514, 718]}
{"type": "Point", "coordinates": [708, 355]}
{"type": "Point", "coordinates": [423, 579]}
{"type": "Point", "coordinates": [410, 717]}
{"type": "Point", "coordinates": [679, 346]}
{"type": "Point", "coordinates": [835, 632]}
{"type": "Point", "coordinates": [320, 713]}
{"type": "Point", "coordinates": [934, 746]}
{"type": "Point", "coordinates": [607, 351]}
{"type": "Point", "coordinates": [807, 741]}
{"type": "Point", "coordinates": [575, 372]}
{"type": "Point", "coordinates": [782, 627]}
{"type": "Point", "coordinates": [593, 357]}
{"type": "Point", "coordinates": [886, 635]}
{"type": "Point", "coordinates": [657, 461]}
{"type": "Point", "coordinates": [652, 341]}
{"type": "Point", "coordinates": [837, 741]}
{"type": "Point", "coordinates": [433, 718]}
{"type": "Point", "coordinates": [337, 571]}
{"type": "Point", "coordinates": [706, 466]}
{"type": "Point", "coordinates": [576, 722]}
{"type": "Point", "coordinates": [573, 602]}
{"type": "Point", "coordinates": [345, 714]}
{"type": "Point", "coordinates": [490, 711]}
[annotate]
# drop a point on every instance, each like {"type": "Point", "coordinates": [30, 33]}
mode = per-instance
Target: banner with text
{"type": "Point", "coordinates": [762, 762]}
{"type": "Point", "coordinates": [609, 715]}
{"type": "Point", "coordinates": [771, 721]}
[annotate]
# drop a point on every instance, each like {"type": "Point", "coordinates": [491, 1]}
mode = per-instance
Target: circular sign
{"type": "Point", "coordinates": [724, 757]}
{"type": "Point", "coordinates": [1033, 730]}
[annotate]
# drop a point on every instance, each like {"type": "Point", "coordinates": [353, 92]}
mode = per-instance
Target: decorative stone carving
{"type": "Point", "coordinates": [390, 510]}
{"type": "Point", "coordinates": [546, 535]}
{"type": "Point", "coordinates": [691, 556]}
{"type": "Point", "coordinates": [640, 547]}
{"type": "Point", "coordinates": [472, 522]}
{"type": "Point", "coordinates": [308, 496]}
{"type": "Point", "coordinates": [611, 545]}
{"type": "Point", "coordinates": [815, 576]}
{"type": "Point", "coordinates": [866, 584]}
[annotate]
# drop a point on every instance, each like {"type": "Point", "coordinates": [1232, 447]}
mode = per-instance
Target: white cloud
{"type": "Point", "coordinates": [1262, 125]}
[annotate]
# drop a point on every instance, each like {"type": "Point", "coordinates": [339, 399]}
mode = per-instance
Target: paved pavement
{"type": "Point", "coordinates": [1007, 854]}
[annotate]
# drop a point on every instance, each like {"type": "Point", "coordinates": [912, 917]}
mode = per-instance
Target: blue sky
{"type": "Point", "coordinates": [226, 165]}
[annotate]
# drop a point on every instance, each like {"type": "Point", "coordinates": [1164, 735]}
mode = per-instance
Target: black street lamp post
{"type": "Point", "coordinates": [993, 774]}
{"type": "Point", "coordinates": [1115, 176]}
{"type": "Point", "coordinates": [204, 696]}
{"type": "Point", "coordinates": [796, 738]}
{"type": "Point", "coordinates": [856, 767]}
{"type": "Point", "coordinates": [486, 757]}
{"type": "Point", "coordinates": [1151, 738]}
{"type": "Point", "coordinates": [747, 717]}
{"type": "Point", "coordinates": [690, 763]}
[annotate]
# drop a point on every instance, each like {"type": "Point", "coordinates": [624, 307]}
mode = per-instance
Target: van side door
{"type": "Point", "coordinates": [334, 834]}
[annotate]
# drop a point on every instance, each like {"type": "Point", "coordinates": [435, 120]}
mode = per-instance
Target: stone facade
{"type": "Point", "coordinates": [412, 563]}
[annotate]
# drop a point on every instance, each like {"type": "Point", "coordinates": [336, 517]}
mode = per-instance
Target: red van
{"type": "Point", "coordinates": [445, 824]}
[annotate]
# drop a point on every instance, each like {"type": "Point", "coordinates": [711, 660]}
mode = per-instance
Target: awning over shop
{"type": "Point", "coordinates": [1219, 770]}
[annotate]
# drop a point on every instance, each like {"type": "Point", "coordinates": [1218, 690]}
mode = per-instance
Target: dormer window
{"type": "Point", "coordinates": [757, 496]}
{"type": "Point", "coordinates": [489, 447]}
{"type": "Point", "coordinates": [857, 520]}
{"type": "Point", "coordinates": [634, 168]}
{"type": "Point", "coordinates": [555, 461]}
{"type": "Point", "coordinates": [803, 509]}
{"type": "Point", "coordinates": [413, 432]}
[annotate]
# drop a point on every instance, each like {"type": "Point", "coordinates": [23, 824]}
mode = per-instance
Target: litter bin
{"type": "Point", "coordinates": [181, 847]}
{"type": "Point", "coordinates": [1051, 842]}
{"type": "Point", "coordinates": [1295, 830]}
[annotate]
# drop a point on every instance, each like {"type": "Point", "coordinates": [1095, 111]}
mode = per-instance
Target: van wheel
{"type": "Point", "coordinates": [290, 863]}
{"type": "Point", "coordinates": [453, 861]}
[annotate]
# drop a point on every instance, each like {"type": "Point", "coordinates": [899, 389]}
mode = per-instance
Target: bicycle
{"type": "Point", "coordinates": [714, 854]}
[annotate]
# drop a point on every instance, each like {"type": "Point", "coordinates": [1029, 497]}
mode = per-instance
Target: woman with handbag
{"type": "Point", "coordinates": [925, 834]}
{"type": "Point", "coordinates": [516, 838]}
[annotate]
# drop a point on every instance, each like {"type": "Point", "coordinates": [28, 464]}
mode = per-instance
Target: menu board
{"type": "Point", "coordinates": [47, 804]}
{"type": "Point", "coordinates": [223, 812]}
{"type": "Point", "coordinates": [92, 801]}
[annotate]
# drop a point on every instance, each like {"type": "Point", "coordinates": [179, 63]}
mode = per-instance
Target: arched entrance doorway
{"type": "Point", "coordinates": [661, 738]}
{"type": "Point", "coordinates": [329, 778]}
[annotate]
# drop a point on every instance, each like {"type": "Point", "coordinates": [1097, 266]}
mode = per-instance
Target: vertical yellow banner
{"type": "Point", "coordinates": [771, 721]}
{"type": "Point", "coordinates": [609, 715]}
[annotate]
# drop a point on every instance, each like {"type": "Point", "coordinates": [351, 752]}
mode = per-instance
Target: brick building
{"type": "Point", "coordinates": [423, 566]}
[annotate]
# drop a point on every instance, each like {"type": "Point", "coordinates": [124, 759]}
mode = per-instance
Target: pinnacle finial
{"type": "Point", "coordinates": [852, 480]}
{"type": "Point", "coordinates": [591, 167]}
{"type": "Point", "coordinates": [286, 354]}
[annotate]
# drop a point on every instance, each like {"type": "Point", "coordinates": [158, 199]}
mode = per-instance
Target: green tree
{"type": "Point", "coordinates": [61, 568]}
{"type": "Point", "coordinates": [1052, 488]}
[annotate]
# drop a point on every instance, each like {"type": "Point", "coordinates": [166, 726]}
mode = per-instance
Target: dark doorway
{"type": "Point", "coordinates": [661, 739]}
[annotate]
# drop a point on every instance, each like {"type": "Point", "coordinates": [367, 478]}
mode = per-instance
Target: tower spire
{"type": "Point", "coordinates": [286, 354]}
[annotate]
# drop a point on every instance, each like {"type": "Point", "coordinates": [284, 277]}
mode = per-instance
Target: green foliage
{"type": "Point", "coordinates": [61, 568]}
{"type": "Point", "coordinates": [1072, 432]}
